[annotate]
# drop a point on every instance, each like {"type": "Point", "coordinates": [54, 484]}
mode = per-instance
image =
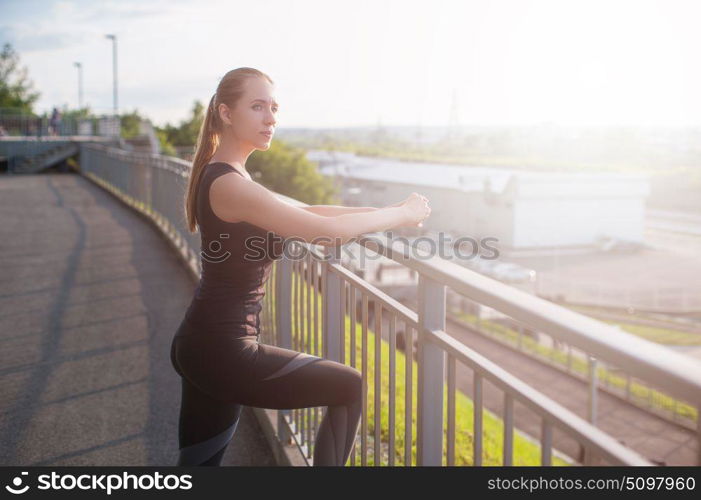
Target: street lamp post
{"type": "Point", "coordinates": [114, 68]}
{"type": "Point", "coordinates": [80, 84]}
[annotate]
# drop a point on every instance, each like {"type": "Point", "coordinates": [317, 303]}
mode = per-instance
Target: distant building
{"type": "Point", "coordinates": [523, 209]}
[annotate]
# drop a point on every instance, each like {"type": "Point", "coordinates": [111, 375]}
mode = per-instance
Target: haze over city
{"type": "Point", "coordinates": [361, 63]}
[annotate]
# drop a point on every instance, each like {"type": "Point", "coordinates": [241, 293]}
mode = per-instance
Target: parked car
{"type": "Point", "coordinates": [481, 265]}
{"type": "Point", "coordinates": [608, 244]}
{"type": "Point", "coordinates": [509, 272]}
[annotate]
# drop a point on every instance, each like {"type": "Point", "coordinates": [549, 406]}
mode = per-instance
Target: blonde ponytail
{"type": "Point", "coordinates": [229, 90]}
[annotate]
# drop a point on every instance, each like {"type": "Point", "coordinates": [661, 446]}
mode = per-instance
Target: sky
{"type": "Point", "coordinates": [368, 62]}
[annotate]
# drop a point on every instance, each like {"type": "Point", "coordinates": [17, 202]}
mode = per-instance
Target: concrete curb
{"type": "Point", "coordinates": [285, 454]}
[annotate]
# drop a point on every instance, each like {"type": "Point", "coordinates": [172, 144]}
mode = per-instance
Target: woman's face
{"type": "Point", "coordinates": [254, 113]}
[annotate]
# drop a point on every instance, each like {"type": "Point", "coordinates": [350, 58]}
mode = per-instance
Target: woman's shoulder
{"type": "Point", "coordinates": [222, 168]}
{"type": "Point", "coordinates": [211, 173]}
{"type": "Point", "coordinates": [217, 193]}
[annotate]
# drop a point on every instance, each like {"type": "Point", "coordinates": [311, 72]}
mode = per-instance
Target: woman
{"type": "Point", "coordinates": [216, 350]}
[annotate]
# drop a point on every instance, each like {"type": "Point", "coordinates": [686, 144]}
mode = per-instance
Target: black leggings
{"type": "Point", "coordinates": [221, 373]}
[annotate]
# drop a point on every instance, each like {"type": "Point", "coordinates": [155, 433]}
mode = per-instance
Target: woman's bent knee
{"type": "Point", "coordinates": [356, 384]}
{"type": "Point", "coordinates": [346, 381]}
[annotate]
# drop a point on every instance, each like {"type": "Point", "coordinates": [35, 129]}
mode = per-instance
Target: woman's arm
{"type": "Point", "coordinates": [333, 210]}
{"type": "Point", "coordinates": [234, 199]}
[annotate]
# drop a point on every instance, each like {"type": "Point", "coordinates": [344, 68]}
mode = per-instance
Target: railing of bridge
{"type": "Point", "coordinates": [600, 375]}
{"type": "Point", "coordinates": [14, 122]}
{"type": "Point", "coordinates": [415, 408]}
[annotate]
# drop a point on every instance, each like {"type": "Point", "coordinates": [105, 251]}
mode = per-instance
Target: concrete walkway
{"type": "Point", "coordinates": [90, 297]}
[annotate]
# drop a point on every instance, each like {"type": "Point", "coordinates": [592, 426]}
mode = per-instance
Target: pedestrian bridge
{"type": "Point", "coordinates": [94, 291]}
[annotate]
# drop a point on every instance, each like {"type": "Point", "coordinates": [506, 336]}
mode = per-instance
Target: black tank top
{"type": "Point", "coordinates": [228, 298]}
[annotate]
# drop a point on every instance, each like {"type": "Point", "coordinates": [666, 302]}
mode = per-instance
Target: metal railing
{"type": "Point", "coordinates": [14, 123]}
{"type": "Point", "coordinates": [315, 304]}
{"type": "Point", "coordinates": [564, 356]}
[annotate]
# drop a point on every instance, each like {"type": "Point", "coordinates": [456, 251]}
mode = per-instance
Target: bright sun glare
{"type": "Point", "coordinates": [574, 63]}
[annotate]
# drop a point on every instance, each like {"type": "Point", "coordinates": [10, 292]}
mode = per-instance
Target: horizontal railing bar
{"type": "Point", "coordinates": [577, 427]}
{"type": "Point", "coordinates": [678, 374]}
{"type": "Point", "coordinates": [388, 302]}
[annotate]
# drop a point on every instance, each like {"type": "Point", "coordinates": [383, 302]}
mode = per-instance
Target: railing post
{"type": "Point", "coordinates": [593, 389]}
{"type": "Point", "coordinates": [283, 326]}
{"type": "Point", "coordinates": [431, 366]}
{"type": "Point", "coordinates": [283, 301]}
{"type": "Point", "coordinates": [331, 333]}
{"type": "Point", "coordinates": [698, 433]}
{"type": "Point", "coordinates": [593, 403]}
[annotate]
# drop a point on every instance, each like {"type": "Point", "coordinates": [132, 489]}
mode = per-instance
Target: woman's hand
{"type": "Point", "coordinates": [416, 208]}
{"type": "Point", "coordinates": [400, 203]}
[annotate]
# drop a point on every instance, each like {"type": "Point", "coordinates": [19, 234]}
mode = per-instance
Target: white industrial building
{"type": "Point", "coordinates": [523, 209]}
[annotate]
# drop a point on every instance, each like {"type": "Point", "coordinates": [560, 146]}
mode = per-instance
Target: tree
{"type": "Point", "coordinates": [15, 86]}
{"type": "Point", "coordinates": [167, 148]}
{"type": "Point", "coordinates": [75, 114]}
{"type": "Point", "coordinates": [185, 134]}
{"type": "Point", "coordinates": [286, 170]}
{"type": "Point", "coordinates": [130, 123]}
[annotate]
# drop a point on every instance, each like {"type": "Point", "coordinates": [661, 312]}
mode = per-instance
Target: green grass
{"type": "Point", "coordinates": [525, 451]}
{"type": "Point", "coordinates": [640, 392]}
{"type": "Point", "coordinates": [658, 334]}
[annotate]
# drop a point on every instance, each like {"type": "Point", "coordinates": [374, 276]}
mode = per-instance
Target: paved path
{"type": "Point", "coordinates": [90, 296]}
